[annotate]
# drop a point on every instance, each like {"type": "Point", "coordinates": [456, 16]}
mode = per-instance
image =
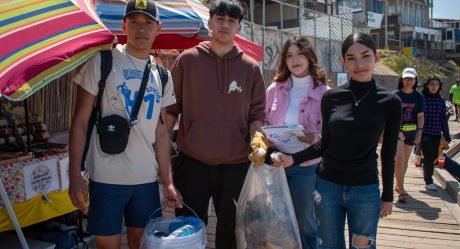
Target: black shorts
{"type": "Point", "coordinates": [410, 137]}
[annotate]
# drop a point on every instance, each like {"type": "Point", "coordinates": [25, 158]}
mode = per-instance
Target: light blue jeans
{"type": "Point", "coordinates": [301, 181]}
{"type": "Point", "coordinates": [359, 204]}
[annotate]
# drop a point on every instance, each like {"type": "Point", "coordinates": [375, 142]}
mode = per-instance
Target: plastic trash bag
{"type": "Point", "coordinates": [265, 217]}
{"type": "Point", "coordinates": [174, 233]}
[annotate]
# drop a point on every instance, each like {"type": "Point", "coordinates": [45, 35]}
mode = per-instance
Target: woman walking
{"type": "Point", "coordinates": [413, 106]}
{"type": "Point", "coordinates": [435, 127]}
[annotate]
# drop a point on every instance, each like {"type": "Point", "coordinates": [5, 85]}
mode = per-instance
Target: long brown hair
{"type": "Point", "coordinates": [316, 70]}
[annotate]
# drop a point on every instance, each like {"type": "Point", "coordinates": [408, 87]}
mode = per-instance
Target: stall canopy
{"type": "Point", "coordinates": [42, 40]}
{"type": "Point", "coordinates": [185, 24]}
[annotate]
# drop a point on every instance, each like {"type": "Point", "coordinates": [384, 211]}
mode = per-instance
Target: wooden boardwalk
{"type": "Point", "coordinates": [427, 220]}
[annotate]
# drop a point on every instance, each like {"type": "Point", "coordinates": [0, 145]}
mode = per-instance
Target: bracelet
{"type": "Point", "coordinates": [420, 129]}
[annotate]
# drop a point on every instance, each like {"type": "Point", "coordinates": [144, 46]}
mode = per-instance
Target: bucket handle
{"type": "Point", "coordinates": [163, 207]}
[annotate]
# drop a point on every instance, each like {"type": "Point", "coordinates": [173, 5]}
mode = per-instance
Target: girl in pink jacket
{"type": "Point", "coordinates": [295, 98]}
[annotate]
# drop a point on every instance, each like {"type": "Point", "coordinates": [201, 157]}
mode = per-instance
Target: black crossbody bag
{"type": "Point", "coordinates": [114, 129]}
{"type": "Point", "coordinates": [106, 67]}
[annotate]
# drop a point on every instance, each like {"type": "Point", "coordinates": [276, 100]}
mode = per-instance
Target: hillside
{"type": "Point", "coordinates": [425, 68]}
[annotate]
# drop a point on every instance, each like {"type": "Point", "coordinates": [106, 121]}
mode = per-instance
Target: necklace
{"type": "Point", "coordinates": [130, 60]}
{"type": "Point", "coordinates": [354, 97]}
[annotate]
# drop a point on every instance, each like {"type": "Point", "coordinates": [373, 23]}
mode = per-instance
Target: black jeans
{"type": "Point", "coordinates": [430, 149]}
{"type": "Point", "coordinates": [456, 111]}
{"type": "Point", "coordinates": [198, 182]}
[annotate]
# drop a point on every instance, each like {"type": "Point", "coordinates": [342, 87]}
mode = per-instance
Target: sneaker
{"type": "Point", "coordinates": [431, 187]}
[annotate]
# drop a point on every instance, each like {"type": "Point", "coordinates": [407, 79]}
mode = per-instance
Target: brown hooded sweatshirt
{"type": "Point", "coordinates": [218, 98]}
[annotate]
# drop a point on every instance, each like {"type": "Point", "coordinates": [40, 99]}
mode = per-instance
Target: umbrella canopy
{"type": "Point", "coordinates": [185, 24]}
{"type": "Point", "coordinates": [184, 21]}
{"type": "Point", "coordinates": [42, 40]}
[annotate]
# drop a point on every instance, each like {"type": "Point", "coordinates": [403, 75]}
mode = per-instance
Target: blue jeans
{"type": "Point", "coordinates": [359, 204]}
{"type": "Point", "coordinates": [301, 181]}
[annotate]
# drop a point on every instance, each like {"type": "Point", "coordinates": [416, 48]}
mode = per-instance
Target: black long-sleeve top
{"type": "Point", "coordinates": [351, 133]}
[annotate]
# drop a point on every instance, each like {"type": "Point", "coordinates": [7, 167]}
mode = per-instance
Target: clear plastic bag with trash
{"type": "Point", "coordinates": [265, 216]}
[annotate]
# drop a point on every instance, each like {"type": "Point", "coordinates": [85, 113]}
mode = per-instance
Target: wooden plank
{"type": "Point", "coordinates": [418, 234]}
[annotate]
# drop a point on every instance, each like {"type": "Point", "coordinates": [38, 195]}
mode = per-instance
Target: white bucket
{"type": "Point", "coordinates": [196, 240]}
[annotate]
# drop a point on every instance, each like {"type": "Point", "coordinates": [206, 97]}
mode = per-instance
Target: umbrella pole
{"type": "Point", "coordinates": [26, 112]}
{"type": "Point", "coordinates": [13, 218]}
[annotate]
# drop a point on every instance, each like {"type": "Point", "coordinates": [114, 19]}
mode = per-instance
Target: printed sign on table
{"type": "Point", "coordinates": [41, 177]}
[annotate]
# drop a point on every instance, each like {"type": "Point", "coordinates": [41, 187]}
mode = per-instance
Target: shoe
{"type": "Point", "coordinates": [403, 197]}
{"type": "Point", "coordinates": [431, 187]}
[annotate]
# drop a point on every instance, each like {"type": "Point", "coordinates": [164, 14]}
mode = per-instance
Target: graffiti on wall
{"type": "Point", "coordinates": [329, 55]}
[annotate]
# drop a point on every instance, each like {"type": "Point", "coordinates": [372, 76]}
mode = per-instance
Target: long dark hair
{"type": "Point", "coordinates": [362, 38]}
{"type": "Point", "coordinates": [425, 90]}
{"type": "Point", "coordinates": [316, 70]}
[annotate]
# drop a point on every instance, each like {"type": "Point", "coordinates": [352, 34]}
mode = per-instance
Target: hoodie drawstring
{"type": "Point", "coordinates": [220, 84]}
{"type": "Point", "coordinates": [225, 76]}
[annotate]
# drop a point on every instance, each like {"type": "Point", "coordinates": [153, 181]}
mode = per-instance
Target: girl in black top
{"type": "Point", "coordinates": [354, 117]}
{"type": "Point", "coordinates": [413, 106]}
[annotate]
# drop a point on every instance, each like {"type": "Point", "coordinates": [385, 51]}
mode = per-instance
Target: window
{"type": "Point", "coordinates": [449, 35]}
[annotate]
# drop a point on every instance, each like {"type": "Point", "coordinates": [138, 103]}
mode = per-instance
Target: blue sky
{"type": "Point", "coordinates": [446, 9]}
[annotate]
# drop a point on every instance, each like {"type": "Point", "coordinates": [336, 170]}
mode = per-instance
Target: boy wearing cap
{"type": "Point", "coordinates": [455, 97]}
{"type": "Point", "coordinates": [412, 121]}
{"type": "Point", "coordinates": [221, 95]}
{"type": "Point", "coordinates": [125, 185]}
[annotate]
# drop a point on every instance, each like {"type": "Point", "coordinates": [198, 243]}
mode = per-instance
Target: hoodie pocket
{"type": "Point", "coordinates": [217, 142]}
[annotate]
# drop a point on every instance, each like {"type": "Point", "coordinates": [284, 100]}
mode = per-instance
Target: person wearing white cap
{"type": "Point", "coordinates": [413, 107]}
{"type": "Point", "coordinates": [124, 186]}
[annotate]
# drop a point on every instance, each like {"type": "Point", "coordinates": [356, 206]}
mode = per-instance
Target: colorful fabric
{"type": "Point", "coordinates": [42, 40]}
{"type": "Point", "coordinates": [13, 181]}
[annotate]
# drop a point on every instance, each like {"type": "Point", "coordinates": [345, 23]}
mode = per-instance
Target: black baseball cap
{"type": "Point", "coordinates": [147, 7]}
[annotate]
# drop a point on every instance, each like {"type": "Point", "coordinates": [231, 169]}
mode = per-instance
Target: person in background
{"type": "Point", "coordinates": [455, 97]}
{"type": "Point", "coordinates": [434, 129]}
{"type": "Point", "coordinates": [124, 186]}
{"type": "Point", "coordinates": [413, 105]}
{"type": "Point", "coordinates": [295, 98]}
{"type": "Point", "coordinates": [354, 116]}
{"type": "Point", "coordinates": [220, 95]}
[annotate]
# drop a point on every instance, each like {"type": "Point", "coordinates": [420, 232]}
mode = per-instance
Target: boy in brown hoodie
{"type": "Point", "coordinates": [221, 96]}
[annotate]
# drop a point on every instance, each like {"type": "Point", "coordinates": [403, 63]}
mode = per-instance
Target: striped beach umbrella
{"type": "Point", "coordinates": [185, 22]}
{"type": "Point", "coordinates": [44, 39]}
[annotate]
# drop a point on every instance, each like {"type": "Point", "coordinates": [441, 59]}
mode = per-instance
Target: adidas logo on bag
{"type": "Point", "coordinates": [111, 128]}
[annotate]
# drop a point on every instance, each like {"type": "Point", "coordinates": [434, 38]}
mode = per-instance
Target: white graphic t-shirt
{"type": "Point", "coordinates": [137, 164]}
